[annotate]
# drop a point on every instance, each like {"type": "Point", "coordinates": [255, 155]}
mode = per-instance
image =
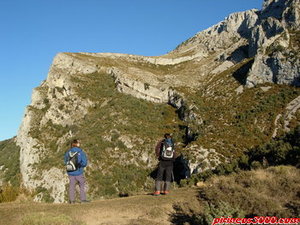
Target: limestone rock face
{"type": "Point", "coordinates": [226, 34]}
{"type": "Point", "coordinates": [51, 99]}
{"type": "Point", "coordinates": [274, 44]}
{"type": "Point", "coordinates": [268, 39]}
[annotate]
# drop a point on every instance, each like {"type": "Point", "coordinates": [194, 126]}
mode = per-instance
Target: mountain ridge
{"type": "Point", "coordinates": [220, 93]}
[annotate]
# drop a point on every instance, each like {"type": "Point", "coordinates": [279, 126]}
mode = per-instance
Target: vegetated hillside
{"type": "Point", "coordinates": [222, 92]}
{"type": "Point", "coordinates": [9, 163]}
{"type": "Point", "coordinates": [234, 121]}
{"type": "Point", "coordinates": [118, 133]}
{"type": "Point", "coordinates": [283, 150]}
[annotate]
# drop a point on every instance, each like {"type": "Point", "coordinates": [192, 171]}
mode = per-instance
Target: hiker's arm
{"type": "Point", "coordinates": [157, 149]}
{"type": "Point", "coordinates": [83, 161]}
{"type": "Point", "coordinates": [66, 158]}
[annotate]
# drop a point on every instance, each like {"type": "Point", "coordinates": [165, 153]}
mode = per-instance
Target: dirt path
{"type": "Point", "coordinates": [135, 210]}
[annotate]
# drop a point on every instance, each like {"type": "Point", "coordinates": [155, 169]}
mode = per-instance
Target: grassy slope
{"type": "Point", "coordinates": [9, 160]}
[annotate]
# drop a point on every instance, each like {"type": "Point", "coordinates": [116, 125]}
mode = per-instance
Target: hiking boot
{"type": "Point", "coordinates": [157, 193]}
{"type": "Point", "coordinates": [71, 202]}
{"type": "Point", "coordinates": [85, 201]}
{"type": "Point", "coordinates": [165, 193]}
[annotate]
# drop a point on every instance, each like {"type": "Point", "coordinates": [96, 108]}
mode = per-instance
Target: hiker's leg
{"type": "Point", "coordinates": [160, 172]}
{"type": "Point", "coordinates": [72, 188]}
{"type": "Point", "coordinates": [159, 178]}
{"type": "Point", "coordinates": [81, 180]}
{"type": "Point", "coordinates": [169, 171]}
{"type": "Point", "coordinates": [158, 186]}
{"type": "Point", "coordinates": [167, 187]}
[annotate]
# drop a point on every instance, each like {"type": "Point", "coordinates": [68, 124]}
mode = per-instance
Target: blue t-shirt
{"type": "Point", "coordinates": [82, 160]}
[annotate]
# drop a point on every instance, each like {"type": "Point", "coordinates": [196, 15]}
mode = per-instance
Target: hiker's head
{"type": "Point", "coordinates": [167, 136]}
{"type": "Point", "coordinates": [75, 143]}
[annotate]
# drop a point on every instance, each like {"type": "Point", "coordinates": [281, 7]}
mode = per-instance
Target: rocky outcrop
{"type": "Point", "coordinates": [203, 159]}
{"type": "Point", "coordinates": [290, 111]}
{"type": "Point", "coordinates": [274, 44]}
{"type": "Point", "coordinates": [224, 37]}
{"type": "Point", "coordinates": [141, 89]}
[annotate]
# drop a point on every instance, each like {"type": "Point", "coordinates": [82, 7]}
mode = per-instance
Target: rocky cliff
{"type": "Point", "coordinates": [274, 44]}
{"type": "Point", "coordinates": [119, 105]}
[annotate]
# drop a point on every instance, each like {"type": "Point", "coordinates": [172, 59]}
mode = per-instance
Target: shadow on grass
{"type": "Point", "coordinates": [181, 217]}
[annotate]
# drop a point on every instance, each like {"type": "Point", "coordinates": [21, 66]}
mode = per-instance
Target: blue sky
{"type": "Point", "coordinates": [34, 31]}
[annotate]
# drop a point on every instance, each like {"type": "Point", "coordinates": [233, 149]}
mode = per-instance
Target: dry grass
{"type": "Point", "coordinates": [44, 218]}
{"type": "Point", "coordinates": [274, 191]}
{"type": "Point", "coordinates": [270, 192]}
{"type": "Point", "coordinates": [142, 209]}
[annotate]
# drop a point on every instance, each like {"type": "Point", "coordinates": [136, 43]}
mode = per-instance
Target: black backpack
{"type": "Point", "coordinates": [167, 151]}
{"type": "Point", "coordinates": [72, 163]}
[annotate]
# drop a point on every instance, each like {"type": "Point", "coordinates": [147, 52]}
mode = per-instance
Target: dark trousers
{"type": "Point", "coordinates": [165, 170]}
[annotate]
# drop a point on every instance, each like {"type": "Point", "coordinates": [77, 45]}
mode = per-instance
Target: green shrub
{"type": "Point", "coordinates": [256, 165]}
{"type": "Point", "coordinates": [283, 150]}
{"type": "Point", "coordinates": [45, 193]}
{"type": "Point", "coordinates": [218, 210]}
{"type": "Point", "coordinates": [121, 180]}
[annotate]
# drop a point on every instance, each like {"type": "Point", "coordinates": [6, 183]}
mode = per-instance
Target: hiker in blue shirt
{"type": "Point", "coordinates": [75, 160]}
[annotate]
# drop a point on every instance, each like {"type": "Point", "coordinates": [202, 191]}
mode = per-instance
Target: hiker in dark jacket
{"type": "Point", "coordinates": [76, 176]}
{"type": "Point", "coordinates": [165, 153]}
